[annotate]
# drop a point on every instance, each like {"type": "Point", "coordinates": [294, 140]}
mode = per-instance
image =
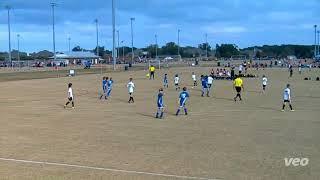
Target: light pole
{"type": "Point", "coordinates": [69, 44]}
{"type": "Point", "coordinates": [179, 43]}
{"type": "Point", "coordinates": [118, 50]}
{"type": "Point", "coordinates": [156, 46]}
{"type": "Point", "coordinates": [113, 35]}
{"type": "Point", "coordinates": [97, 34]}
{"type": "Point", "coordinates": [53, 5]}
{"type": "Point", "coordinates": [18, 37]}
{"type": "Point", "coordinates": [122, 50]}
{"type": "Point", "coordinates": [206, 46]}
{"type": "Point", "coordinates": [132, 54]}
{"type": "Point", "coordinates": [156, 38]}
{"type": "Point", "coordinates": [318, 32]}
{"type": "Point", "coordinates": [9, 34]}
{"type": "Point", "coordinates": [315, 41]}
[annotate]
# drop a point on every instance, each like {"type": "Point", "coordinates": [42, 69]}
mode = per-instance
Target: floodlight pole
{"type": "Point", "coordinates": [156, 38]}
{"type": "Point", "coordinates": [9, 35]}
{"type": "Point", "coordinates": [206, 46]}
{"type": "Point", "coordinates": [318, 33]}
{"type": "Point", "coordinates": [179, 43]}
{"type": "Point", "coordinates": [18, 37]}
{"type": "Point", "coordinates": [118, 46]}
{"type": "Point", "coordinates": [315, 41]}
{"type": "Point", "coordinates": [97, 36]}
{"type": "Point", "coordinates": [122, 51]}
{"type": "Point", "coordinates": [69, 44]}
{"type": "Point", "coordinates": [113, 35]}
{"type": "Point", "coordinates": [132, 53]}
{"type": "Point", "coordinates": [53, 5]}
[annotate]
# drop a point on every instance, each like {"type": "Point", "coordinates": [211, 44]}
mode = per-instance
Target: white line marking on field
{"type": "Point", "coordinates": [105, 169]}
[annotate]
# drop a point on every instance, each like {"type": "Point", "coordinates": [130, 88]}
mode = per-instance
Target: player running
{"type": "Point", "coordinates": [194, 79]}
{"type": "Point", "coordinates": [287, 98]}
{"type": "Point", "coordinates": [131, 88]}
{"type": "Point", "coordinates": [210, 82]}
{"type": "Point", "coordinates": [104, 87]}
{"type": "Point", "coordinates": [183, 97]}
{"type": "Point", "coordinates": [176, 82]}
{"type": "Point", "coordinates": [204, 84]}
{"type": "Point", "coordinates": [264, 83]}
{"type": "Point", "coordinates": [109, 88]}
{"type": "Point", "coordinates": [160, 104]}
{"type": "Point", "coordinates": [238, 86]}
{"type": "Point", "coordinates": [152, 70]}
{"type": "Point", "coordinates": [70, 96]}
{"type": "Point", "coordinates": [165, 81]}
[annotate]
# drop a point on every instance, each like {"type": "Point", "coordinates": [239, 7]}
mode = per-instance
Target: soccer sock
{"type": "Point", "coordinates": [161, 115]}
{"type": "Point", "coordinates": [178, 111]}
{"type": "Point", "coordinates": [67, 103]}
{"type": "Point", "coordinates": [290, 106]}
{"type": "Point", "coordinates": [283, 106]}
{"type": "Point", "coordinates": [72, 104]}
{"type": "Point", "coordinates": [185, 111]}
{"type": "Point", "coordinates": [157, 115]}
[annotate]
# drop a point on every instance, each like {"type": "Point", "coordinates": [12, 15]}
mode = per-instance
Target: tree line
{"type": "Point", "coordinates": [171, 49]}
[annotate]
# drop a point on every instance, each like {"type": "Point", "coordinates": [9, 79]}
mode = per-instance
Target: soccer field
{"type": "Point", "coordinates": [219, 139]}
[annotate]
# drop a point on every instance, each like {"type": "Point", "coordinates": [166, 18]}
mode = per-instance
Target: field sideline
{"type": "Point", "coordinates": [219, 139]}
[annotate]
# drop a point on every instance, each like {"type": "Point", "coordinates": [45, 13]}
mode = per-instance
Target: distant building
{"type": "Point", "coordinates": [77, 57]}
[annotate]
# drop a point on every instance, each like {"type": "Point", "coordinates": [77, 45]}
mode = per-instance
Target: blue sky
{"type": "Point", "coordinates": [242, 22]}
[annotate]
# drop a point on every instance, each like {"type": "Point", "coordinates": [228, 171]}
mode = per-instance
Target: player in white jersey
{"type": "Point", "coordinates": [176, 82]}
{"type": "Point", "coordinates": [130, 87]}
{"type": "Point", "coordinates": [210, 81]}
{"type": "Point", "coordinates": [70, 96]}
{"type": "Point", "coordinates": [194, 79]}
{"type": "Point", "coordinates": [287, 98]}
{"type": "Point", "coordinates": [264, 83]}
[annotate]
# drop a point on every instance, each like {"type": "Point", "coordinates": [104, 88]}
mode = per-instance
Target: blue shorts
{"type": "Point", "coordinates": [160, 105]}
{"type": "Point", "coordinates": [182, 102]}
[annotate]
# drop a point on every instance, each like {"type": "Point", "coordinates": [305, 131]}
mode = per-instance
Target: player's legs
{"type": "Point", "coordinates": [160, 112]}
{"type": "Point", "coordinates": [109, 92]}
{"type": "Point", "coordinates": [238, 89]}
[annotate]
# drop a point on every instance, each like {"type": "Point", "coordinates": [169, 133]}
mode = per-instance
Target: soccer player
{"type": "Point", "coordinates": [287, 98]}
{"type": "Point", "coordinates": [291, 70]}
{"type": "Point", "coordinates": [109, 88]}
{"type": "Point", "coordinates": [70, 96]}
{"type": "Point", "coordinates": [210, 81]}
{"type": "Point", "coordinates": [240, 69]}
{"type": "Point", "coordinates": [194, 79]}
{"type": "Point", "coordinates": [152, 69]}
{"type": "Point", "coordinates": [160, 104]}
{"type": "Point", "coordinates": [165, 81]}
{"type": "Point", "coordinates": [130, 87]}
{"type": "Point", "coordinates": [300, 68]}
{"type": "Point", "coordinates": [264, 82]}
{"type": "Point", "coordinates": [183, 97]}
{"type": "Point", "coordinates": [238, 85]}
{"type": "Point", "coordinates": [204, 84]}
{"type": "Point", "coordinates": [176, 82]}
{"type": "Point", "coordinates": [104, 87]}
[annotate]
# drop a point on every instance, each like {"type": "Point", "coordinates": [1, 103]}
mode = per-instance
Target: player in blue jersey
{"type": "Point", "coordinates": [160, 104]}
{"type": "Point", "coordinates": [104, 87]}
{"type": "Point", "coordinates": [109, 88]}
{"type": "Point", "coordinates": [204, 84]}
{"type": "Point", "coordinates": [184, 95]}
{"type": "Point", "coordinates": [165, 81]}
